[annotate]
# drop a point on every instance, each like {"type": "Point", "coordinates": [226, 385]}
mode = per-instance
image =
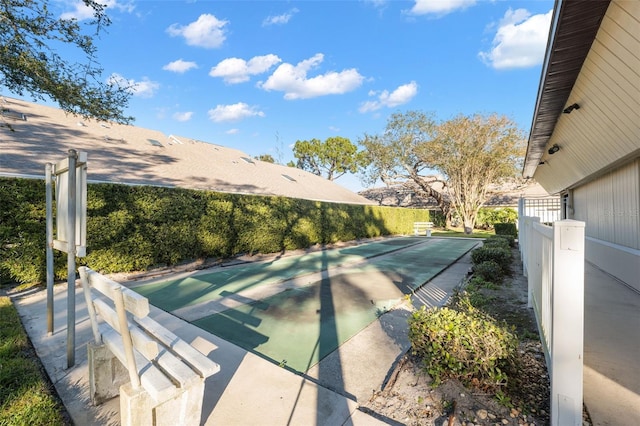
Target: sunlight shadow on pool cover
{"type": "Point", "coordinates": [291, 321]}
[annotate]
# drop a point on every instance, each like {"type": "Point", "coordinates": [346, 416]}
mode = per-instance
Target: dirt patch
{"type": "Point", "coordinates": [409, 397]}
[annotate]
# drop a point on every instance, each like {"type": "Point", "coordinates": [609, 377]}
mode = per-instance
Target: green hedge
{"type": "Point", "coordinates": [506, 229]}
{"type": "Point", "coordinates": [134, 228]}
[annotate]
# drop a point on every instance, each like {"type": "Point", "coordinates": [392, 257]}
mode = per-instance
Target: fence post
{"type": "Point", "coordinates": [568, 323]}
{"type": "Point", "coordinates": [532, 252]}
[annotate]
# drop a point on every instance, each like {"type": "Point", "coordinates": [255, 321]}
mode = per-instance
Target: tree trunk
{"type": "Point", "coordinates": [469, 221]}
{"type": "Point", "coordinates": [443, 203]}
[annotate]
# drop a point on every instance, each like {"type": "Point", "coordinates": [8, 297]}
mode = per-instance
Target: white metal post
{"type": "Point", "coordinates": [49, 250]}
{"type": "Point", "coordinates": [568, 323]}
{"type": "Point", "coordinates": [71, 261]}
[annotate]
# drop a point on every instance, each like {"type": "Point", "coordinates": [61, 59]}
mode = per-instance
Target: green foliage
{"type": "Point", "coordinates": [134, 228]}
{"type": "Point", "coordinates": [331, 159]}
{"type": "Point", "coordinates": [488, 217]}
{"type": "Point", "coordinates": [462, 343]}
{"type": "Point", "coordinates": [498, 255]}
{"type": "Point", "coordinates": [506, 229]}
{"type": "Point", "coordinates": [25, 396]}
{"type": "Point", "coordinates": [511, 241]}
{"type": "Point", "coordinates": [469, 152]}
{"type": "Point", "coordinates": [497, 241]}
{"type": "Point", "coordinates": [476, 282]}
{"type": "Point", "coordinates": [30, 36]}
{"type": "Point", "coordinates": [267, 158]}
{"type": "Point", "coordinates": [489, 270]}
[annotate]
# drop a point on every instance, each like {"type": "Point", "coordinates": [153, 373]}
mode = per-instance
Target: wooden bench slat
{"type": "Point", "coordinates": [135, 303]}
{"type": "Point", "coordinates": [196, 360]}
{"type": "Point", "coordinates": [178, 371]}
{"type": "Point", "coordinates": [158, 361]}
{"type": "Point", "coordinates": [141, 341]}
{"type": "Point", "coordinates": [152, 379]}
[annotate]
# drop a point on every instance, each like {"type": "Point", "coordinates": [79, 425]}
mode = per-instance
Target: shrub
{"type": "Point", "coordinates": [489, 271]}
{"type": "Point", "coordinates": [494, 241]}
{"type": "Point", "coordinates": [476, 282]}
{"type": "Point", "coordinates": [506, 229]}
{"type": "Point", "coordinates": [463, 344]}
{"type": "Point", "coordinates": [497, 254]}
{"type": "Point", "coordinates": [508, 238]}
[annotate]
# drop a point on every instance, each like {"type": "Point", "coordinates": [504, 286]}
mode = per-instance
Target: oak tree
{"type": "Point", "coordinates": [330, 159]}
{"type": "Point", "coordinates": [31, 36]}
{"type": "Point", "coordinates": [455, 161]}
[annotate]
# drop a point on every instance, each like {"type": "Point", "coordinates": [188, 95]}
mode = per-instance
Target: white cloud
{"type": "Point", "coordinates": [82, 11]}
{"type": "Point", "coordinates": [377, 3]}
{"type": "Point", "coordinates": [279, 19]}
{"type": "Point", "coordinates": [234, 112]}
{"type": "Point", "coordinates": [520, 41]}
{"type": "Point", "coordinates": [400, 96]}
{"type": "Point", "coordinates": [439, 7]}
{"type": "Point", "coordinates": [180, 66]}
{"type": "Point", "coordinates": [208, 31]}
{"type": "Point", "coordinates": [294, 82]}
{"type": "Point", "coordinates": [183, 116]}
{"type": "Point", "coordinates": [232, 131]}
{"type": "Point", "coordinates": [144, 89]}
{"type": "Point", "coordinates": [236, 70]}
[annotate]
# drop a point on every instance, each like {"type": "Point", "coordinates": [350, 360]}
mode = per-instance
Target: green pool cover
{"type": "Point", "coordinates": [173, 294]}
{"type": "Point", "coordinates": [299, 327]}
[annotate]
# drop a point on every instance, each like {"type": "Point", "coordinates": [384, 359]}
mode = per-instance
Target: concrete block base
{"type": "Point", "coordinates": [106, 374]}
{"type": "Point", "coordinates": [137, 407]}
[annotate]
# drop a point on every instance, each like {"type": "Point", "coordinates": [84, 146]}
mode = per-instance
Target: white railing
{"type": "Point", "coordinates": [553, 262]}
{"type": "Point", "coordinates": [548, 209]}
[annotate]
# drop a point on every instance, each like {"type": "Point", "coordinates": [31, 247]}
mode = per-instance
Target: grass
{"type": "Point", "coordinates": [26, 396]}
{"type": "Point", "coordinates": [459, 232]}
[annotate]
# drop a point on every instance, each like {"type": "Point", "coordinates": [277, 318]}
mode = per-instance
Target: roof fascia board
{"type": "Point", "coordinates": [549, 95]}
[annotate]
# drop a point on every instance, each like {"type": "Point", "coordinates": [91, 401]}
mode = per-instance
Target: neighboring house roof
{"type": "Point", "coordinates": [133, 155]}
{"type": "Point", "coordinates": [409, 196]}
{"type": "Point", "coordinates": [592, 60]}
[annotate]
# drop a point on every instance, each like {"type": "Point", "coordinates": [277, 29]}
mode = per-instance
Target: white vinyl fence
{"type": "Point", "coordinates": [553, 262]}
{"type": "Point", "coordinates": [548, 209]}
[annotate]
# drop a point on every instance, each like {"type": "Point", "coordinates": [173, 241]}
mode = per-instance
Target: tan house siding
{"type": "Point", "coordinates": [606, 127]}
{"type": "Point", "coordinates": [610, 206]}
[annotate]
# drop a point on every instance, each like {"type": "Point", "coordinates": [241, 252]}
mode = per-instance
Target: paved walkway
{"type": "Point", "coordinates": [611, 350]}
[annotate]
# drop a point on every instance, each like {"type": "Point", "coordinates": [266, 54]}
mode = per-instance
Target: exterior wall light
{"type": "Point", "coordinates": [570, 108]}
{"type": "Point", "coordinates": [555, 148]}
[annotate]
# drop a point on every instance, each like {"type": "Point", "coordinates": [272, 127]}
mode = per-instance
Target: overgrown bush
{"type": "Point", "coordinates": [464, 344]}
{"type": "Point", "coordinates": [499, 255]}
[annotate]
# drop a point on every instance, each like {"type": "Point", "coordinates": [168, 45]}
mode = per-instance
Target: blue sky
{"type": "Point", "coordinates": [259, 75]}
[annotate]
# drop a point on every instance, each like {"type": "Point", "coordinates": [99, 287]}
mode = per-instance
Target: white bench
{"type": "Point", "coordinates": [422, 227]}
{"type": "Point", "coordinates": [159, 377]}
